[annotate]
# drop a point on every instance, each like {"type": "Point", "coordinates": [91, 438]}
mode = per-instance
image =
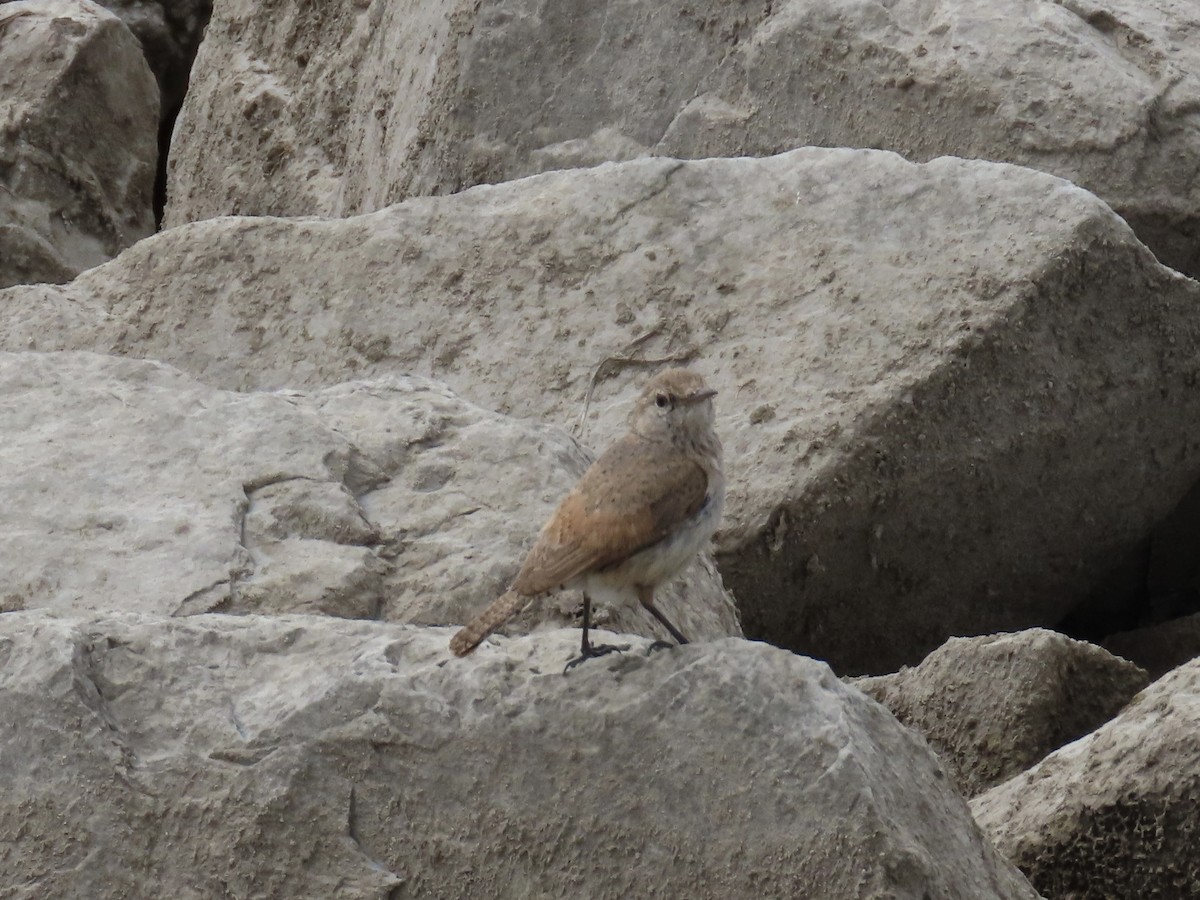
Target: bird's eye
{"type": "Point", "coordinates": [662, 401]}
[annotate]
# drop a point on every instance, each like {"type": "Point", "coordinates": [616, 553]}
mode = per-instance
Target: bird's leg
{"type": "Point", "coordinates": [586, 649]}
{"type": "Point", "coordinates": [646, 597]}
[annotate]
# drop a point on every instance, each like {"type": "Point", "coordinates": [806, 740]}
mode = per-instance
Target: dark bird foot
{"type": "Point", "coordinates": [594, 651]}
{"type": "Point", "coordinates": [660, 645]}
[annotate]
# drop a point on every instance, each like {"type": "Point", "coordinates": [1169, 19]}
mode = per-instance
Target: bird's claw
{"type": "Point", "coordinates": [594, 651]}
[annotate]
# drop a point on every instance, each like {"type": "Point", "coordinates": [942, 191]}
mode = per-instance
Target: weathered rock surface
{"type": "Point", "coordinates": [951, 394]}
{"type": "Point", "coordinates": [308, 757]}
{"type": "Point", "coordinates": [353, 108]}
{"type": "Point", "coordinates": [1113, 814]}
{"type": "Point", "coordinates": [991, 707]}
{"type": "Point", "coordinates": [78, 132]}
{"type": "Point", "coordinates": [127, 485]}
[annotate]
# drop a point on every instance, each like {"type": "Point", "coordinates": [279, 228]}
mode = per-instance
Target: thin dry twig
{"type": "Point", "coordinates": [611, 365]}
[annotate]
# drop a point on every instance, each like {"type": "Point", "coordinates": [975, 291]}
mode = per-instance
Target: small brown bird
{"type": "Point", "coordinates": [634, 519]}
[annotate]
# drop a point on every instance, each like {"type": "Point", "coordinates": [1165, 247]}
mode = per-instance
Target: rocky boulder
{"type": "Point", "coordinates": [952, 394]}
{"type": "Point", "coordinates": [337, 111]}
{"type": "Point", "coordinates": [308, 757]}
{"type": "Point", "coordinates": [1113, 814]}
{"type": "Point", "coordinates": [78, 127]}
{"type": "Point", "coordinates": [129, 486]}
{"type": "Point", "coordinates": [991, 707]}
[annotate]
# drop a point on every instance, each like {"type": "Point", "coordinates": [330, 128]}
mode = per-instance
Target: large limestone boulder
{"type": "Point", "coordinates": [127, 485]}
{"type": "Point", "coordinates": [952, 394]}
{"type": "Point", "coordinates": [993, 706]}
{"type": "Point", "coordinates": [340, 111]}
{"type": "Point", "coordinates": [1113, 814]}
{"type": "Point", "coordinates": [78, 139]}
{"type": "Point", "coordinates": [309, 757]}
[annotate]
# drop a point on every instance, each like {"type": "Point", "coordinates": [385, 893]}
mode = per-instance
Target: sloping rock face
{"type": "Point", "coordinates": [1113, 814]}
{"type": "Point", "coordinates": [127, 485]}
{"type": "Point", "coordinates": [354, 108]}
{"type": "Point", "coordinates": [991, 707]}
{"type": "Point", "coordinates": [309, 757]}
{"type": "Point", "coordinates": [78, 127]}
{"type": "Point", "coordinates": [951, 394]}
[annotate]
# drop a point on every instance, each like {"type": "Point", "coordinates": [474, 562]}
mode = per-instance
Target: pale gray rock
{"type": "Point", "coordinates": [78, 139]}
{"type": "Point", "coordinates": [345, 109]}
{"type": "Point", "coordinates": [127, 485]}
{"type": "Point", "coordinates": [951, 394]}
{"type": "Point", "coordinates": [310, 757]}
{"type": "Point", "coordinates": [1112, 814]}
{"type": "Point", "coordinates": [991, 707]}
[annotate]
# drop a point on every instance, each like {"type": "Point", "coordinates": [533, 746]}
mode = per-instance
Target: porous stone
{"type": "Point", "coordinates": [310, 757]}
{"type": "Point", "coordinates": [1112, 814]}
{"type": "Point", "coordinates": [78, 126]}
{"type": "Point", "coordinates": [993, 706]}
{"type": "Point", "coordinates": [127, 485]}
{"type": "Point", "coordinates": [951, 394]}
{"type": "Point", "coordinates": [347, 108]}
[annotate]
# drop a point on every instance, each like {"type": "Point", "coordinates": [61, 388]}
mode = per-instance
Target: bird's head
{"type": "Point", "coordinates": [675, 402]}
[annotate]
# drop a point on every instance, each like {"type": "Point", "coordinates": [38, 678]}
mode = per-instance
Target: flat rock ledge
{"type": "Point", "coordinates": [305, 756]}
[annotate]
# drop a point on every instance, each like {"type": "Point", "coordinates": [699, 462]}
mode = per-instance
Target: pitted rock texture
{"type": "Point", "coordinates": [126, 485]}
{"type": "Point", "coordinates": [346, 109]}
{"type": "Point", "coordinates": [309, 757]}
{"type": "Point", "coordinates": [78, 126]}
{"type": "Point", "coordinates": [993, 706]}
{"type": "Point", "coordinates": [1112, 814]}
{"type": "Point", "coordinates": [952, 395]}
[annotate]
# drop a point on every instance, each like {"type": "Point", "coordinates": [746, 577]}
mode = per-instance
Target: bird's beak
{"type": "Point", "coordinates": [701, 395]}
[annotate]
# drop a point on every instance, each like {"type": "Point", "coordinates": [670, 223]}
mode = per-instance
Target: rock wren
{"type": "Point", "coordinates": [634, 519]}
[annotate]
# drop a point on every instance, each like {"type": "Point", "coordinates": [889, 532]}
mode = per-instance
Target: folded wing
{"type": "Point", "coordinates": [606, 519]}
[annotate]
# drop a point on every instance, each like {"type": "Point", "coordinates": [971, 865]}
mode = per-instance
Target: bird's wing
{"type": "Point", "coordinates": [632, 497]}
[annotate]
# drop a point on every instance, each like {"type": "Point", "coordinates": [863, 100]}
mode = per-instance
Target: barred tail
{"type": "Point", "coordinates": [470, 636]}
